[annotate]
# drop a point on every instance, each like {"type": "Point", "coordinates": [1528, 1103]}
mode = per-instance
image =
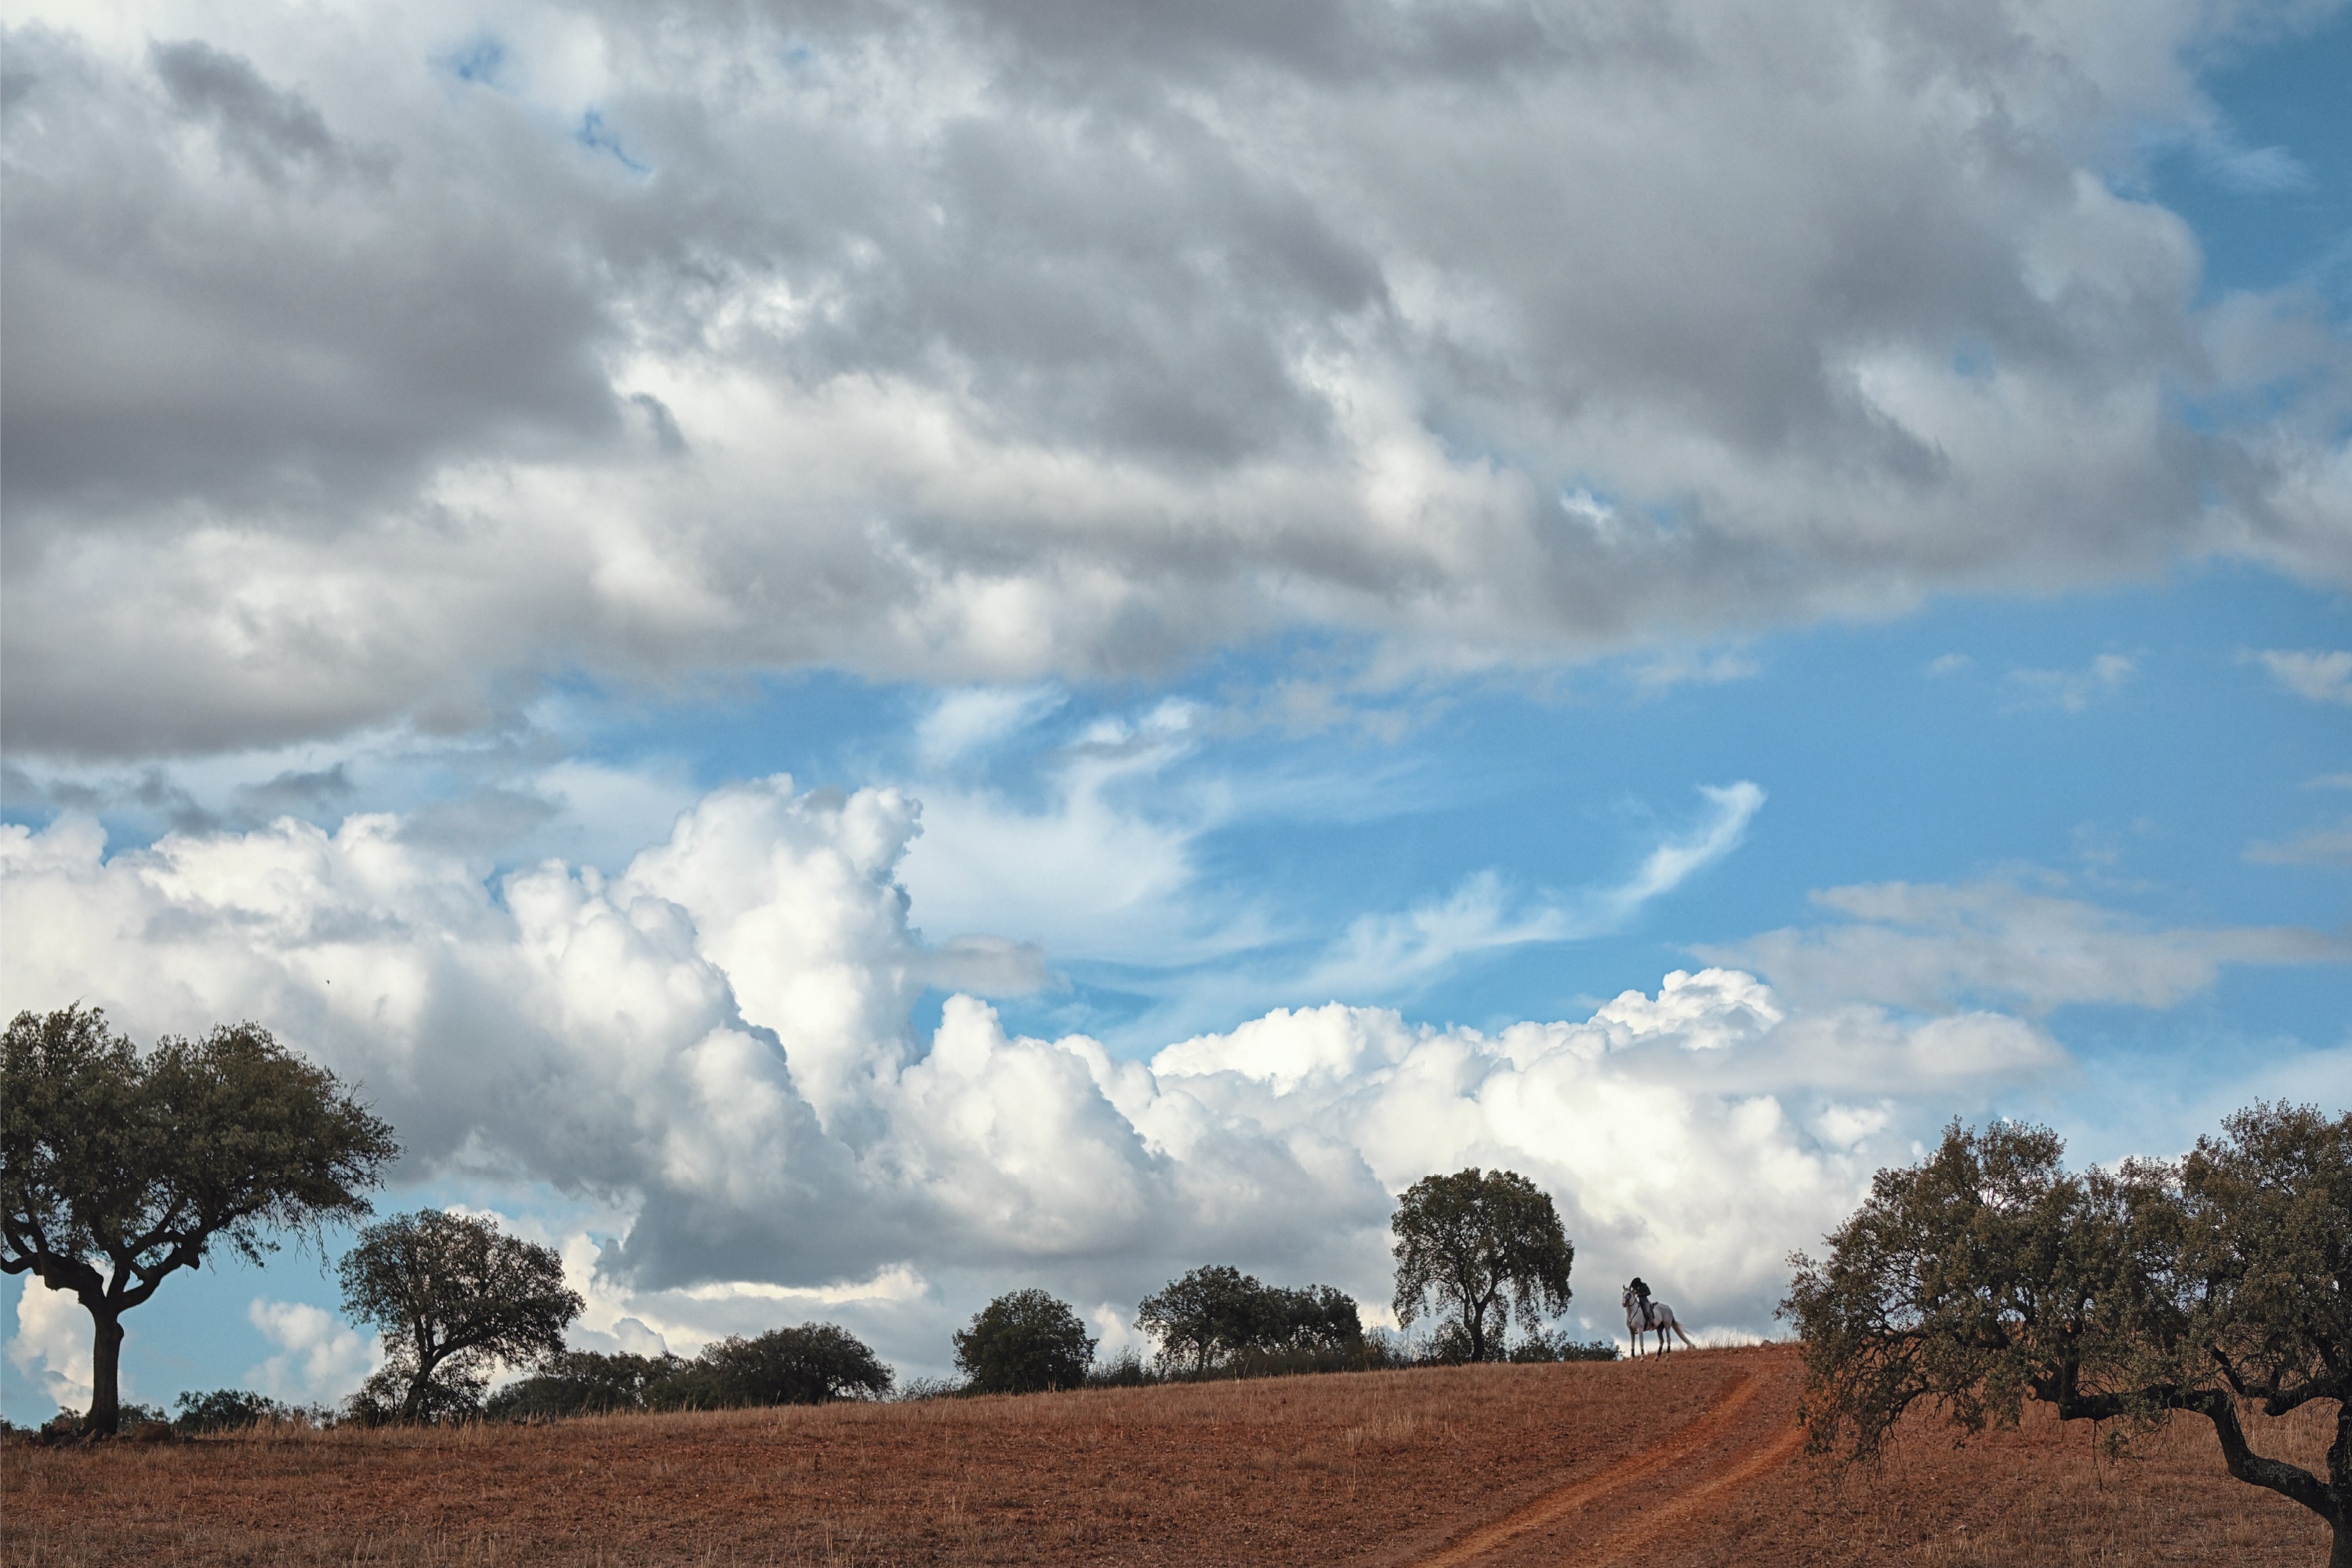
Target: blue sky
{"type": "Point", "coordinates": [885, 704]}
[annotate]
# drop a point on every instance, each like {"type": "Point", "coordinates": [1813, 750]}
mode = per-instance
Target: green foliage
{"type": "Point", "coordinates": [119, 1168]}
{"type": "Point", "coordinates": [1475, 1247]}
{"type": "Point", "coordinates": [1216, 1314]}
{"type": "Point", "coordinates": [228, 1410]}
{"type": "Point", "coordinates": [1024, 1342]}
{"type": "Point", "coordinates": [1554, 1346]}
{"type": "Point", "coordinates": [1968, 1281]}
{"type": "Point", "coordinates": [1989, 1275]}
{"type": "Point", "coordinates": [588, 1383]}
{"type": "Point", "coordinates": [813, 1364]}
{"type": "Point", "coordinates": [454, 1298]}
{"type": "Point", "coordinates": [2265, 1254]}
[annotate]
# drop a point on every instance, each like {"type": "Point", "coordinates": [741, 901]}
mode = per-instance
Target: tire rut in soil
{"type": "Point", "coordinates": [1706, 1431]}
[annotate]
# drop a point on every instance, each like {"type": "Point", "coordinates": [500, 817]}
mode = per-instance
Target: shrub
{"type": "Point", "coordinates": [228, 1410]}
{"type": "Point", "coordinates": [1539, 1346]}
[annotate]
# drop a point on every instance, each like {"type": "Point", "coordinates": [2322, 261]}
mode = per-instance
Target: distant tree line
{"type": "Point", "coordinates": [119, 1167]}
{"type": "Point", "coordinates": [814, 1363]}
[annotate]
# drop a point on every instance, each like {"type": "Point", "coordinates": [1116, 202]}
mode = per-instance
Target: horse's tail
{"type": "Point", "coordinates": [1678, 1332]}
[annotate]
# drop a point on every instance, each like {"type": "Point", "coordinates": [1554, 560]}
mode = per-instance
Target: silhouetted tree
{"type": "Point", "coordinates": [1210, 1312]}
{"type": "Point", "coordinates": [119, 1168]}
{"type": "Point", "coordinates": [811, 1364]}
{"type": "Point", "coordinates": [1318, 1318]}
{"type": "Point", "coordinates": [1216, 1313]}
{"type": "Point", "coordinates": [589, 1382]}
{"type": "Point", "coordinates": [1987, 1275]}
{"type": "Point", "coordinates": [1024, 1342]}
{"type": "Point", "coordinates": [454, 1298]}
{"type": "Point", "coordinates": [1476, 1246]}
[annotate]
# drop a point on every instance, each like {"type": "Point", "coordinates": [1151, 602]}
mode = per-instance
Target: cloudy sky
{"type": "Point", "coordinates": [858, 652]}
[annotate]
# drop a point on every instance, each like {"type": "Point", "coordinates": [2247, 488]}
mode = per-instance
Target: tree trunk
{"type": "Point", "coordinates": [2339, 1487]}
{"type": "Point", "coordinates": [411, 1408]}
{"type": "Point", "coordinates": [105, 1374]}
{"type": "Point", "coordinates": [420, 1386]}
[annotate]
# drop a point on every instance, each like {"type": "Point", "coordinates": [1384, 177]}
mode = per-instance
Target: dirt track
{"type": "Point", "coordinates": [1748, 1432]}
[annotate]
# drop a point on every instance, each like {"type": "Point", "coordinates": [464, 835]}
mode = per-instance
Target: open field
{"type": "Point", "coordinates": [1688, 1462]}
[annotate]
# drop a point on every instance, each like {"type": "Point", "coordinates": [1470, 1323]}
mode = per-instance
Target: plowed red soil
{"type": "Point", "coordinates": [1692, 1460]}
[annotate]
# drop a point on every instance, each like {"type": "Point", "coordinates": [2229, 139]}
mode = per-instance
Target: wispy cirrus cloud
{"type": "Point", "coordinates": [1395, 956]}
{"type": "Point", "coordinates": [2072, 690]}
{"type": "Point", "coordinates": [2330, 846]}
{"type": "Point", "coordinates": [2322, 675]}
{"type": "Point", "coordinates": [1938, 947]}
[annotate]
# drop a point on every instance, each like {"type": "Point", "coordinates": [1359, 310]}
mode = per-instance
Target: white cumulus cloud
{"type": "Point", "coordinates": [51, 1345]}
{"type": "Point", "coordinates": [715, 1048]}
{"type": "Point", "coordinates": [319, 1359]}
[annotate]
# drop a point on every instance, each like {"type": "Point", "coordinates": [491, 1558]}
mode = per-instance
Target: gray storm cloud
{"type": "Point", "coordinates": [365, 367]}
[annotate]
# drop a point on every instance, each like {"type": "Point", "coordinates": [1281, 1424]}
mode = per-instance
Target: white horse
{"type": "Point", "coordinates": [1647, 1317]}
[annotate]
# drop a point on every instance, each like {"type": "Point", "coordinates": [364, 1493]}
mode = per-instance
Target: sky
{"type": "Point", "coordinates": [852, 655]}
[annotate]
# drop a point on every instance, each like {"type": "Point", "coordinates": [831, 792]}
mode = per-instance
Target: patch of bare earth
{"type": "Point", "coordinates": [1687, 1461]}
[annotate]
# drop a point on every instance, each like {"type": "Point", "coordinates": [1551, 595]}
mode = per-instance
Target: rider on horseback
{"type": "Point", "coordinates": [1642, 1291]}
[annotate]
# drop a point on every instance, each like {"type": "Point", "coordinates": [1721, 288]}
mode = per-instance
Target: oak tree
{"type": "Point", "coordinates": [590, 1382]}
{"type": "Point", "coordinates": [1216, 1313]}
{"type": "Point", "coordinates": [1024, 1342]}
{"type": "Point", "coordinates": [1207, 1315]}
{"type": "Point", "coordinates": [455, 1298]}
{"type": "Point", "coordinates": [1475, 1246]}
{"type": "Point", "coordinates": [119, 1167]}
{"type": "Point", "coordinates": [1989, 1275]}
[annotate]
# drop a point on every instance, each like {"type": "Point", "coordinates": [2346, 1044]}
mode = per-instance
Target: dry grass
{"type": "Point", "coordinates": [1384, 1468]}
{"type": "Point", "coordinates": [2041, 1496]}
{"type": "Point", "coordinates": [1365, 1467]}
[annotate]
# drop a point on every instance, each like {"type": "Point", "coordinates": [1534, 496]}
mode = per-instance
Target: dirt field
{"type": "Point", "coordinates": [1674, 1465]}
